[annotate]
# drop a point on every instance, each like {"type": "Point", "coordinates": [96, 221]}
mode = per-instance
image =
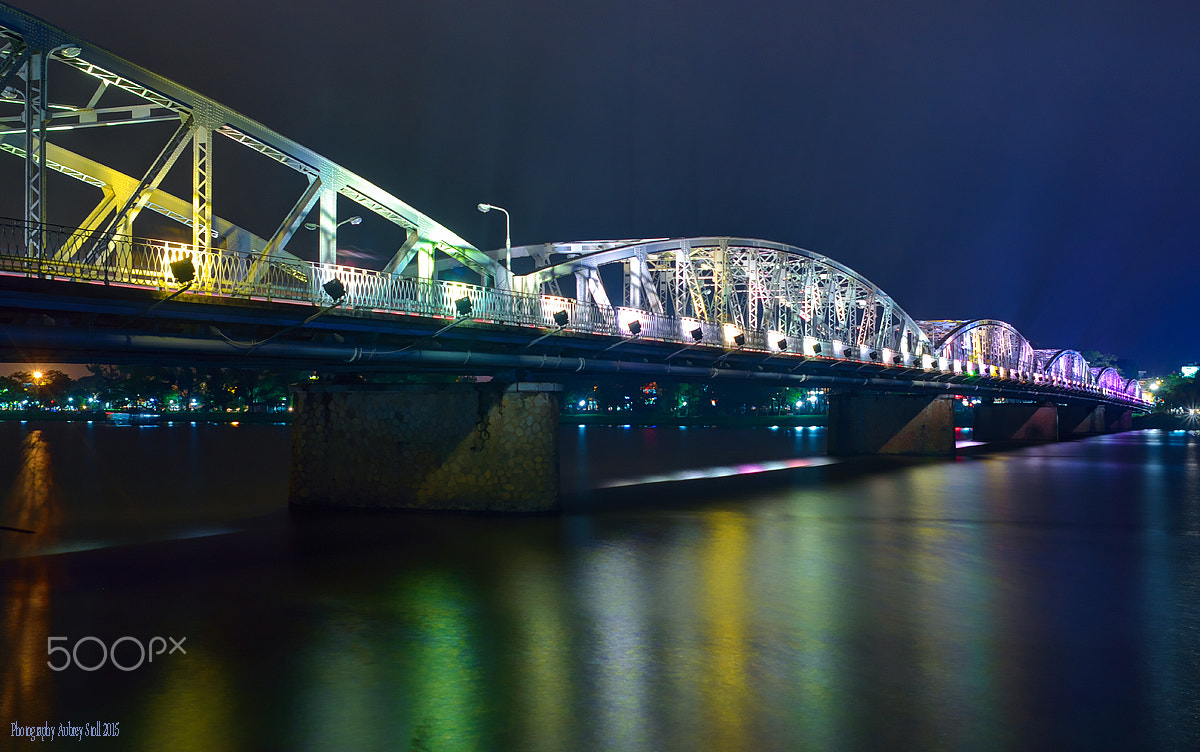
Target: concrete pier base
{"type": "Point", "coordinates": [1081, 420]}
{"type": "Point", "coordinates": [1117, 420]}
{"type": "Point", "coordinates": [1016, 421]}
{"type": "Point", "coordinates": [471, 447]}
{"type": "Point", "coordinates": [898, 424]}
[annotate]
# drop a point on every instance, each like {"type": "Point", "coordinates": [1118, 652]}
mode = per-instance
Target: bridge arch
{"type": "Point", "coordinates": [988, 341]}
{"type": "Point", "coordinates": [1133, 389]}
{"type": "Point", "coordinates": [747, 283]}
{"type": "Point", "coordinates": [1109, 380]}
{"type": "Point", "coordinates": [1064, 366]}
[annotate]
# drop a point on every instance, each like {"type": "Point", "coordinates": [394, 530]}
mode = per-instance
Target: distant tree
{"type": "Point", "coordinates": [1097, 359]}
{"type": "Point", "coordinates": [47, 387]}
{"type": "Point", "coordinates": [11, 390]}
{"type": "Point", "coordinates": [1180, 393]}
{"type": "Point", "coordinates": [54, 386]}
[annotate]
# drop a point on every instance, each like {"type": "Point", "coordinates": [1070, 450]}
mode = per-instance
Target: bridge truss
{"type": "Point", "coordinates": [723, 295]}
{"type": "Point", "coordinates": [56, 87]}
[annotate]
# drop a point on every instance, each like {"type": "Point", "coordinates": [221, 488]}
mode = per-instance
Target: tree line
{"type": "Point", "coordinates": [153, 387]}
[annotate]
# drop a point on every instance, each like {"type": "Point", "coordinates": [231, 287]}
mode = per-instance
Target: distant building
{"type": "Point", "coordinates": [1189, 371]}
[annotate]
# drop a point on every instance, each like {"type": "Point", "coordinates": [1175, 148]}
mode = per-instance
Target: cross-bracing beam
{"type": "Point", "coordinates": [28, 119]}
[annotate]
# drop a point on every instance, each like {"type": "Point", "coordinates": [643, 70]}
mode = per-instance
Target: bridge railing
{"type": "Point", "coordinates": [68, 253]}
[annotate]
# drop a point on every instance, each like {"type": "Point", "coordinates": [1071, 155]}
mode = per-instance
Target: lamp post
{"type": "Point", "coordinates": [328, 240]}
{"type": "Point", "coordinates": [485, 208]}
{"type": "Point", "coordinates": [355, 220]}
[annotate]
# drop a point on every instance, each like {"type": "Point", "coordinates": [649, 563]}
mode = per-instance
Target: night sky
{"type": "Point", "coordinates": [1033, 162]}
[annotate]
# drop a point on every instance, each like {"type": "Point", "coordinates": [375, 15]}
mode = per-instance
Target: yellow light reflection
{"type": "Point", "coordinates": [956, 641]}
{"type": "Point", "coordinates": [544, 684]}
{"type": "Point", "coordinates": [194, 708]}
{"type": "Point", "coordinates": [724, 682]}
{"type": "Point", "coordinates": [26, 690]}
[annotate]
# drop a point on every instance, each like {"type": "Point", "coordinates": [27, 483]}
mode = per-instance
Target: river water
{"type": "Point", "coordinates": [709, 589]}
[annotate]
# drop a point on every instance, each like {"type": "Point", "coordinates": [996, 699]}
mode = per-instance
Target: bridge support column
{"type": "Point", "coordinates": [1081, 420]}
{"type": "Point", "coordinates": [472, 447]}
{"type": "Point", "coordinates": [1118, 419]}
{"type": "Point", "coordinates": [1016, 421]}
{"type": "Point", "coordinates": [891, 424]}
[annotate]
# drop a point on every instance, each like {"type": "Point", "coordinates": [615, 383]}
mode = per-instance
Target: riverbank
{"type": "Point", "coordinates": [717, 421]}
{"type": "Point", "coordinates": [961, 420]}
{"type": "Point", "coordinates": [169, 417]}
{"type": "Point", "coordinates": [1164, 421]}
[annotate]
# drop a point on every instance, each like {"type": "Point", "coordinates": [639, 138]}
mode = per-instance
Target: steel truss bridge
{"type": "Point", "coordinates": [88, 288]}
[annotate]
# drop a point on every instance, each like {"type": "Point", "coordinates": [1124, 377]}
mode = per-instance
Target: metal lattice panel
{"type": "Point", "coordinates": [1133, 389]}
{"type": "Point", "coordinates": [755, 285]}
{"type": "Point", "coordinates": [985, 341]}
{"type": "Point", "coordinates": [1108, 380]}
{"type": "Point", "coordinates": [1066, 366]}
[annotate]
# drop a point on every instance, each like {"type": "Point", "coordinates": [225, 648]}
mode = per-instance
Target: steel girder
{"type": "Point", "coordinates": [988, 342]}
{"type": "Point", "coordinates": [28, 119]}
{"type": "Point", "coordinates": [752, 285]}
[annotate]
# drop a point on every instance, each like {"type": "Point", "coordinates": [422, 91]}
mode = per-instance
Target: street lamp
{"type": "Point", "coordinates": [355, 220]}
{"type": "Point", "coordinates": [485, 208]}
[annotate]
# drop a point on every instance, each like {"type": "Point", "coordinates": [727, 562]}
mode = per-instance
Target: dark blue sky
{"type": "Point", "coordinates": [1028, 161]}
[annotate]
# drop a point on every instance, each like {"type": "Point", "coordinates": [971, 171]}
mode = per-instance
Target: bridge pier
{"type": "Point", "coordinates": [1081, 420]}
{"type": "Point", "coordinates": [1016, 421]}
{"type": "Point", "coordinates": [1118, 419]}
{"type": "Point", "coordinates": [900, 424]}
{"type": "Point", "coordinates": [470, 447]}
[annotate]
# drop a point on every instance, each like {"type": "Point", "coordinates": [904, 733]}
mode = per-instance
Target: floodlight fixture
{"type": "Point", "coordinates": [561, 319]}
{"type": "Point", "coordinates": [183, 270]}
{"type": "Point", "coordinates": [739, 339]}
{"type": "Point", "coordinates": [635, 327]}
{"type": "Point", "coordinates": [817, 349]}
{"type": "Point", "coordinates": [463, 306]}
{"type": "Point", "coordinates": [335, 289]}
{"type": "Point", "coordinates": [873, 355]}
{"type": "Point", "coordinates": [898, 360]}
{"type": "Point", "coordinates": [697, 334]}
{"type": "Point", "coordinates": [782, 344]}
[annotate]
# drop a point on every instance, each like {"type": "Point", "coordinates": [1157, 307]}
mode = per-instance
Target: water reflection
{"type": "Point", "coordinates": [448, 698]}
{"type": "Point", "coordinates": [722, 593]}
{"type": "Point", "coordinates": [26, 690]}
{"type": "Point", "coordinates": [191, 707]}
{"type": "Point", "coordinates": [1039, 599]}
{"type": "Point", "coordinates": [543, 696]}
{"type": "Point", "coordinates": [618, 659]}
